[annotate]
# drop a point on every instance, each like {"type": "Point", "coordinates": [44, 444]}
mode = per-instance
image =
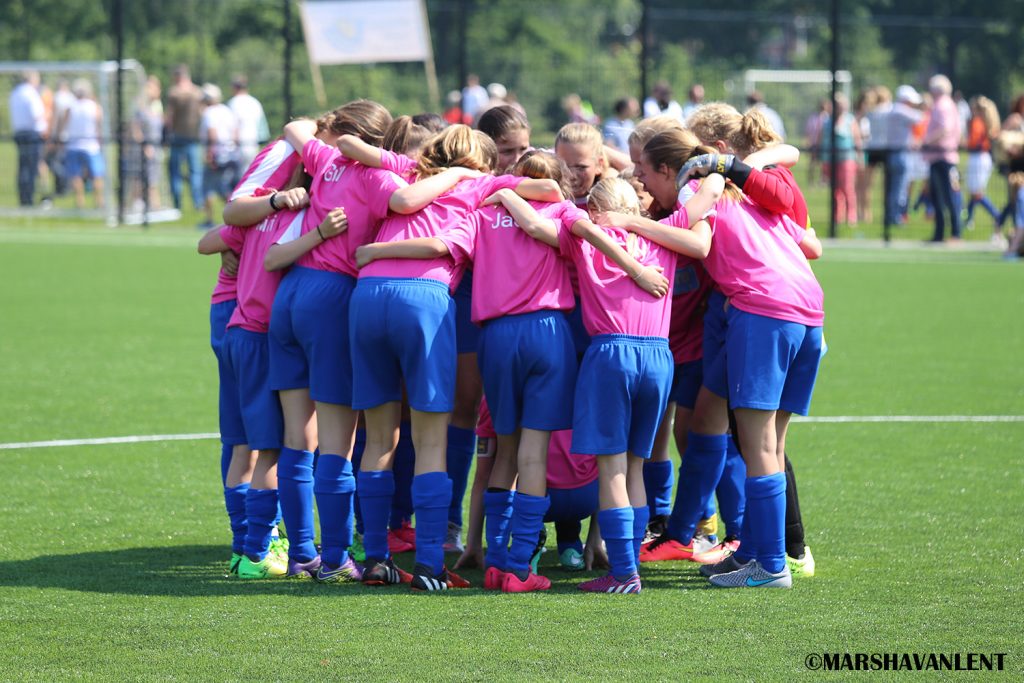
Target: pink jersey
{"type": "Point", "coordinates": [567, 470]}
{"type": "Point", "coordinates": [399, 164]}
{"type": "Point", "coordinates": [612, 302]}
{"type": "Point", "coordinates": [363, 192]}
{"type": "Point", "coordinates": [512, 272]}
{"type": "Point", "coordinates": [272, 168]}
{"type": "Point", "coordinates": [226, 288]}
{"type": "Point", "coordinates": [443, 214]}
{"type": "Point", "coordinates": [756, 260]}
{"type": "Point", "coordinates": [256, 286]}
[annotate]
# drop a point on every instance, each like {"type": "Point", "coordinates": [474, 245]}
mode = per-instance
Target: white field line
{"type": "Point", "coordinates": [834, 419]}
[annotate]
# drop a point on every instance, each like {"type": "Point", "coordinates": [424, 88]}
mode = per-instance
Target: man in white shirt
{"type": "Point", "coordinates": [661, 102]}
{"type": "Point", "coordinates": [252, 121]}
{"type": "Point", "coordinates": [218, 131]}
{"type": "Point", "coordinates": [28, 122]}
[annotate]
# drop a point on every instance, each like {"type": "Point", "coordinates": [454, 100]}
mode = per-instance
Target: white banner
{"type": "Point", "coordinates": [362, 31]}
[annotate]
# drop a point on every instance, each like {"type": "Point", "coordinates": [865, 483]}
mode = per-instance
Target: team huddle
{"type": "Point", "coordinates": [398, 297]}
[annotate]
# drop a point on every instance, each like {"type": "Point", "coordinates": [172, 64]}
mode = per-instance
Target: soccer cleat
{"type": "Point", "coordinates": [803, 566]}
{"type": "Point", "coordinates": [572, 560]}
{"type": "Point", "coordinates": [539, 549]}
{"type": "Point", "coordinates": [655, 528]}
{"type": "Point", "coordinates": [609, 584]}
{"type": "Point", "coordinates": [267, 568]}
{"type": "Point", "coordinates": [534, 582]}
{"type": "Point", "coordinates": [729, 564]}
{"type": "Point", "coordinates": [384, 573]}
{"type": "Point", "coordinates": [717, 553]}
{"type": "Point", "coordinates": [663, 549]}
{"type": "Point", "coordinates": [356, 551]}
{"type": "Point", "coordinates": [303, 570]}
{"type": "Point", "coordinates": [493, 578]}
{"type": "Point", "coordinates": [423, 580]}
{"type": "Point", "coordinates": [402, 540]}
{"type": "Point", "coordinates": [453, 539]}
{"type": "Point", "coordinates": [753, 575]}
{"type": "Point", "coordinates": [278, 548]}
{"type": "Point", "coordinates": [233, 563]}
{"type": "Point", "coordinates": [348, 571]}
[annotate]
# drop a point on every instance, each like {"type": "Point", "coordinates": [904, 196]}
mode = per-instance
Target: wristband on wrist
{"type": "Point", "coordinates": [739, 173]}
{"type": "Point", "coordinates": [322, 238]}
{"type": "Point", "coordinates": [273, 204]}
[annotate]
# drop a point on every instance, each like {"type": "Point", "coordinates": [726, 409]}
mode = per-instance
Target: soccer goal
{"type": "Point", "coordinates": [54, 193]}
{"type": "Point", "coordinates": [794, 94]}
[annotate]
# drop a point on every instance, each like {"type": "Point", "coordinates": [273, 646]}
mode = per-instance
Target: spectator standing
{"type": "Point", "coordinates": [940, 149]}
{"type": "Point", "coordinates": [695, 98]}
{"type": "Point", "coordinates": [184, 101]}
{"type": "Point", "coordinates": [812, 132]}
{"type": "Point", "coordinates": [618, 128]}
{"type": "Point", "coordinates": [899, 125]}
{"type": "Point", "coordinates": [873, 111]}
{"type": "Point", "coordinates": [474, 97]}
{"type": "Point", "coordinates": [982, 131]}
{"type": "Point", "coordinates": [146, 154]}
{"type": "Point", "coordinates": [848, 156]}
{"type": "Point", "coordinates": [218, 131]}
{"type": "Point", "coordinates": [82, 126]}
{"type": "Point", "coordinates": [661, 102]}
{"type": "Point", "coordinates": [54, 152]}
{"type": "Point", "coordinates": [28, 122]}
{"type": "Point", "coordinates": [253, 130]}
{"type": "Point", "coordinates": [756, 101]}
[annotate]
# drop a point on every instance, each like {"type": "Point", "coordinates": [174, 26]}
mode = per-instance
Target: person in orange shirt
{"type": "Point", "coordinates": [981, 131]}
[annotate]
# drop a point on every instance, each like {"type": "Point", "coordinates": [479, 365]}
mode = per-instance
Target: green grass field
{"type": "Point", "coordinates": [111, 557]}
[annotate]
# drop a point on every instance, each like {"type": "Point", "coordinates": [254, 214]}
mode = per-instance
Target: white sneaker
{"type": "Point", "coordinates": [753, 575]}
{"type": "Point", "coordinates": [453, 539]}
{"type": "Point", "coordinates": [1000, 242]}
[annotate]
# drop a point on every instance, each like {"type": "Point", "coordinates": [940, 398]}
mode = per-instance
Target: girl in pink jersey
{"type": "Point", "coordinates": [261, 426]}
{"type": "Point", "coordinates": [526, 352]}
{"type": "Point", "coordinates": [276, 166]}
{"type": "Point", "coordinates": [776, 302]}
{"type": "Point", "coordinates": [405, 330]}
{"type": "Point", "coordinates": [309, 347]}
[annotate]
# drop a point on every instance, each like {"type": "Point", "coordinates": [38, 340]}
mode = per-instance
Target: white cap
{"type": "Point", "coordinates": [211, 93]}
{"type": "Point", "coordinates": [906, 93]}
{"type": "Point", "coordinates": [497, 91]}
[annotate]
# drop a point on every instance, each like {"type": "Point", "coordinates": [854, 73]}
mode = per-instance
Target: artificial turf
{"type": "Point", "coordinates": [112, 557]}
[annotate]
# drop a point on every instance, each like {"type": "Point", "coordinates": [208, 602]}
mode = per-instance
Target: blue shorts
{"type": "Point", "coordinates": [528, 365]}
{"type": "Point", "coordinates": [621, 394]}
{"type": "Point", "coordinates": [228, 411]}
{"type": "Point", "coordinates": [467, 333]}
{"type": "Point", "coordinates": [772, 363]}
{"type": "Point", "coordinates": [403, 328]}
{"type": "Point", "coordinates": [77, 160]}
{"type": "Point", "coordinates": [248, 357]}
{"type": "Point", "coordinates": [716, 375]}
{"type": "Point", "coordinates": [572, 505]}
{"type": "Point", "coordinates": [580, 336]}
{"type": "Point", "coordinates": [309, 341]}
{"type": "Point", "coordinates": [686, 381]}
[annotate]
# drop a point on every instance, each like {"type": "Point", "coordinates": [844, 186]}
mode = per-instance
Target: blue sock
{"type": "Point", "coordinates": [295, 485]}
{"type": "Point", "coordinates": [375, 492]}
{"type": "Point", "coordinates": [461, 449]}
{"type": "Point", "coordinates": [260, 510]}
{"type": "Point", "coordinates": [709, 509]}
{"type": "Point", "coordinates": [766, 503]}
{"type": "Point", "coordinates": [699, 473]}
{"type": "Point", "coordinates": [226, 450]}
{"type": "Point", "coordinates": [431, 496]}
{"type": "Point", "coordinates": [497, 517]}
{"type": "Point", "coordinates": [358, 446]}
{"type": "Point", "coordinates": [524, 530]}
{"type": "Point", "coordinates": [641, 516]}
{"type": "Point", "coordinates": [403, 466]}
{"type": "Point", "coordinates": [731, 494]}
{"type": "Point", "coordinates": [658, 480]}
{"type": "Point", "coordinates": [617, 532]}
{"type": "Point", "coordinates": [334, 486]}
{"type": "Point", "coordinates": [987, 204]}
{"type": "Point", "coordinates": [234, 502]}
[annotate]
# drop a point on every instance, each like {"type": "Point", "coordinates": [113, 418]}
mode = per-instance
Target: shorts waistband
{"type": "Point", "coordinates": [629, 339]}
{"type": "Point", "coordinates": [514, 318]}
{"type": "Point", "coordinates": [240, 331]}
{"type": "Point", "coordinates": [403, 282]}
{"type": "Point", "coordinates": [307, 272]}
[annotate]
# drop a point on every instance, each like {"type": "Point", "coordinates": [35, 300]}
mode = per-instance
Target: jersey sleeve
{"type": "Point", "coordinates": [378, 186]}
{"type": "Point", "coordinates": [233, 236]}
{"type": "Point", "coordinates": [396, 163]}
{"type": "Point", "coordinates": [775, 189]}
{"type": "Point", "coordinates": [461, 240]}
{"type": "Point", "coordinates": [316, 156]}
{"type": "Point", "coordinates": [569, 245]}
{"type": "Point", "coordinates": [569, 214]}
{"type": "Point", "coordinates": [271, 168]}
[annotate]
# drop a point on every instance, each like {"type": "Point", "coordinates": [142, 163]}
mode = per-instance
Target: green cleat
{"type": "Point", "coordinates": [802, 567]}
{"type": "Point", "coordinates": [233, 563]}
{"type": "Point", "coordinates": [278, 549]}
{"type": "Point", "coordinates": [571, 560]}
{"type": "Point", "coordinates": [267, 568]}
{"type": "Point", "coordinates": [356, 550]}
